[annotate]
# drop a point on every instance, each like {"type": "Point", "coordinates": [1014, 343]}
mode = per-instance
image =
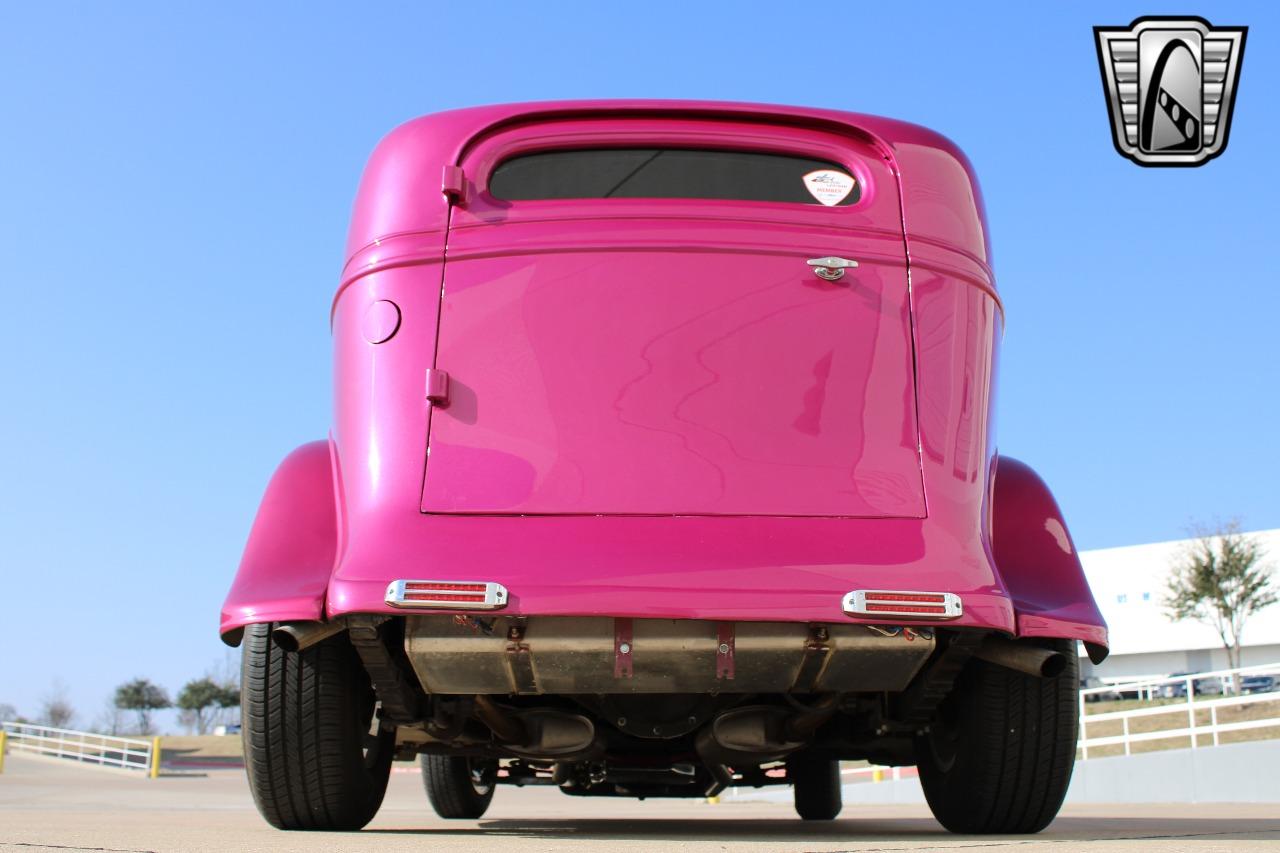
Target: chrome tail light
{"type": "Point", "coordinates": [452, 595]}
{"type": "Point", "coordinates": [911, 604]}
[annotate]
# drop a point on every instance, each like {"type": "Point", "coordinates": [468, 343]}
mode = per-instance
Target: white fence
{"type": "Point", "coordinates": [86, 747]}
{"type": "Point", "coordinates": [1200, 717]}
{"type": "Point", "coordinates": [875, 773]}
{"type": "Point", "coordinates": [1203, 724]}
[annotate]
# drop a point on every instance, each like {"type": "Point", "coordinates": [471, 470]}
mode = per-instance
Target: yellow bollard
{"type": "Point", "coordinates": [4, 736]}
{"type": "Point", "coordinates": [155, 757]}
{"type": "Point", "coordinates": [877, 775]}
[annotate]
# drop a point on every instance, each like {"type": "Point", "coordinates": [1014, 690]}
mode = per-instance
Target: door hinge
{"type": "Point", "coordinates": [454, 184]}
{"type": "Point", "coordinates": [437, 387]}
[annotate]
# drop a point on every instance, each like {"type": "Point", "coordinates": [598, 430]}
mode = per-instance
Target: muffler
{"type": "Point", "coordinates": [538, 732]}
{"type": "Point", "coordinates": [1023, 657]}
{"type": "Point", "coordinates": [754, 734]}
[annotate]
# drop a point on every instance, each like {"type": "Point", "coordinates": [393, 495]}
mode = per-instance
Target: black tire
{"type": "Point", "coordinates": [458, 788]}
{"type": "Point", "coordinates": [306, 718]}
{"type": "Point", "coordinates": [998, 758]}
{"type": "Point", "coordinates": [817, 787]}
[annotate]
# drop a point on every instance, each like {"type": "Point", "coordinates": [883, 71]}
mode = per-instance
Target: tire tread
{"type": "Point", "coordinates": [302, 714]}
{"type": "Point", "coordinates": [1016, 749]}
{"type": "Point", "coordinates": [447, 780]}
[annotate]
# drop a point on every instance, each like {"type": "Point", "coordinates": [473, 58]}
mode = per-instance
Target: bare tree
{"type": "Point", "coordinates": [56, 709]}
{"type": "Point", "coordinates": [227, 675]}
{"type": "Point", "coordinates": [1220, 580]}
{"type": "Point", "coordinates": [8, 713]}
{"type": "Point", "coordinates": [111, 720]}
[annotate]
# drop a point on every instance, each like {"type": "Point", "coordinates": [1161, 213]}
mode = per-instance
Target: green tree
{"type": "Point", "coordinates": [142, 697]}
{"type": "Point", "coordinates": [1220, 580]}
{"type": "Point", "coordinates": [199, 698]}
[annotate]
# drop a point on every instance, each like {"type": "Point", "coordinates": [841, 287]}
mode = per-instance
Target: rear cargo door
{"type": "Point", "coordinates": [630, 325]}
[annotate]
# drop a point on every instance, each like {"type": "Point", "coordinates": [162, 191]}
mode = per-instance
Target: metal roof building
{"type": "Point", "coordinates": [1129, 584]}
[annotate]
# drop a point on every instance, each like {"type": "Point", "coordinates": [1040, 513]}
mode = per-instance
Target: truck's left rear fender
{"type": "Point", "coordinates": [285, 570]}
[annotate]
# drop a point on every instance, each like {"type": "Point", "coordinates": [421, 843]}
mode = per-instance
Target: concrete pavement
{"type": "Point", "coordinates": [46, 804]}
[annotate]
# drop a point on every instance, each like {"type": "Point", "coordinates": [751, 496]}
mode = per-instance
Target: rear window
{"type": "Point", "coordinates": [673, 173]}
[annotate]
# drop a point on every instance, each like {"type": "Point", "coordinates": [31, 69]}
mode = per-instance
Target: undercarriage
{"type": "Point", "coordinates": [602, 706]}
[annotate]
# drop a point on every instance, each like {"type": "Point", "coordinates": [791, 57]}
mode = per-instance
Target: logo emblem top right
{"type": "Point", "coordinates": [1170, 85]}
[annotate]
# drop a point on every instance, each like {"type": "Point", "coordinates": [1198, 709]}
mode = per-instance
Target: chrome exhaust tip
{"type": "Point", "coordinates": [1022, 657]}
{"type": "Point", "coordinates": [299, 636]}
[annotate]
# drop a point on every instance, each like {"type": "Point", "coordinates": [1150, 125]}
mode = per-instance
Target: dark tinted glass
{"type": "Point", "coordinates": [659, 173]}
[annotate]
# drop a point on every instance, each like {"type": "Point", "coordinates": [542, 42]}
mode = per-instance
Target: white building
{"type": "Point", "coordinates": [1129, 584]}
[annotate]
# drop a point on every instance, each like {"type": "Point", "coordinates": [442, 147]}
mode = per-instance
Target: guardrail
{"type": "Point", "coordinates": [85, 747]}
{"type": "Point", "coordinates": [1203, 726]}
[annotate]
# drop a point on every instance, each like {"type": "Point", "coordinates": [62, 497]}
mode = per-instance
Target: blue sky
{"type": "Point", "coordinates": [174, 190]}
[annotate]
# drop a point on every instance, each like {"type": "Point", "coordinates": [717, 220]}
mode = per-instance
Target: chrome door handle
{"type": "Point", "coordinates": [830, 269]}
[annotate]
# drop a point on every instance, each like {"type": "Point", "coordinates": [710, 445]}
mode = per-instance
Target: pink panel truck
{"type": "Point", "coordinates": [662, 462]}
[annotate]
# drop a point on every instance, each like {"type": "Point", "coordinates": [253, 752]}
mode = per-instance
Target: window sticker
{"type": "Point", "coordinates": [829, 186]}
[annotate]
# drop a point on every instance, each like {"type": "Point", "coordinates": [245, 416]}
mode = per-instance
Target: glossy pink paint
{"type": "Point", "coordinates": [1039, 562]}
{"type": "Point", "coordinates": [675, 356]}
{"type": "Point", "coordinates": [743, 494]}
{"type": "Point", "coordinates": [381, 321]}
{"type": "Point", "coordinates": [285, 570]}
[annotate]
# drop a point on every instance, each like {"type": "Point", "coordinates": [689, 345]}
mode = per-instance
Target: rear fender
{"type": "Point", "coordinates": [285, 570]}
{"type": "Point", "coordinates": [1039, 563]}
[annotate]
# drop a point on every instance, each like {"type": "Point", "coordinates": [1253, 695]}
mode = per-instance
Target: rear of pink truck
{"type": "Point", "coordinates": [662, 462]}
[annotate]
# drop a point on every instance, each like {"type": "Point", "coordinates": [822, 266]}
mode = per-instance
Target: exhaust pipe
{"type": "Point", "coordinates": [1023, 657]}
{"type": "Point", "coordinates": [508, 729]}
{"type": "Point", "coordinates": [804, 725]}
{"type": "Point", "coordinates": [297, 636]}
{"type": "Point", "coordinates": [721, 778]}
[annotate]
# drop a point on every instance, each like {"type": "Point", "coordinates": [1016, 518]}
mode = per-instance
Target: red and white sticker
{"type": "Point", "coordinates": [829, 186]}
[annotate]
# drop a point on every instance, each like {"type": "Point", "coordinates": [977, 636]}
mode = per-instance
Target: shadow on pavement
{"type": "Point", "coordinates": [852, 829]}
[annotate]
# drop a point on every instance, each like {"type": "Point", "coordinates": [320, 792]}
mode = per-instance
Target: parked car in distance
{"type": "Point", "coordinates": [1257, 683]}
{"type": "Point", "coordinates": [1211, 685]}
{"type": "Point", "coordinates": [662, 462]}
{"type": "Point", "coordinates": [1102, 695]}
